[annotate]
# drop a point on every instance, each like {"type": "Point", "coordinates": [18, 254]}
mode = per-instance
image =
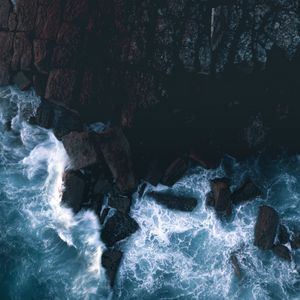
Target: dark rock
{"type": "Point", "coordinates": [210, 201]}
{"type": "Point", "coordinates": [22, 81]}
{"type": "Point", "coordinates": [61, 120]}
{"type": "Point", "coordinates": [120, 202]}
{"type": "Point", "coordinates": [102, 186]}
{"type": "Point", "coordinates": [69, 35]}
{"type": "Point", "coordinates": [5, 8]}
{"type": "Point", "coordinates": [76, 10]}
{"type": "Point", "coordinates": [111, 260]}
{"type": "Point", "coordinates": [73, 195]}
{"type": "Point", "coordinates": [266, 227]}
{"type": "Point", "coordinates": [117, 228]}
{"type": "Point", "coordinates": [42, 54]}
{"type": "Point", "coordinates": [282, 252]}
{"type": "Point", "coordinates": [247, 191]}
{"type": "Point", "coordinates": [61, 86]}
{"type": "Point", "coordinates": [12, 21]}
{"type": "Point", "coordinates": [104, 215]}
{"type": "Point", "coordinates": [222, 195]}
{"type": "Point", "coordinates": [169, 199]}
{"type": "Point", "coordinates": [26, 11]}
{"type": "Point", "coordinates": [39, 83]}
{"type": "Point", "coordinates": [175, 171]}
{"type": "Point", "coordinates": [236, 266]}
{"type": "Point", "coordinates": [64, 57]}
{"type": "Point", "coordinates": [116, 151]}
{"type": "Point", "coordinates": [6, 42]}
{"type": "Point", "coordinates": [81, 149]}
{"type": "Point", "coordinates": [295, 241]}
{"type": "Point", "coordinates": [22, 57]}
{"type": "Point", "coordinates": [283, 234]}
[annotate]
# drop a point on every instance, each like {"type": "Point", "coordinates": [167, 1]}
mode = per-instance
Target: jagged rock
{"type": "Point", "coordinates": [120, 202]}
{"type": "Point", "coordinates": [26, 11]}
{"type": "Point", "coordinates": [116, 151]}
{"type": "Point", "coordinates": [117, 228]}
{"type": "Point", "coordinates": [236, 266]}
{"type": "Point", "coordinates": [247, 191]}
{"type": "Point", "coordinates": [73, 195]}
{"type": "Point", "coordinates": [5, 8]}
{"type": "Point", "coordinates": [22, 57]}
{"type": "Point", "coordinates": [111, 260]}
{"type": "Point", "coordinates": [103, 215]}
{"type": "Point", "coordinates": [175, 171]}
{"type": "Point", "coordinates": [283, 234]}
{"type": "Point", "coordinates": [173, 201]}
{"type": "Point", "coordinates": [42, 53]}
{"type": "Point", "coordinates": [266, 227]}
{"type": "Point", "coordinates": [221, 195]}
{"type": "Point", "coordinates": [81, 149]}
{"type": "Point", "coordinates": [295, 241]}
{"type": "Point", "coordinates": [282, 252]}
{"type": "Point", "coordinates": [22, 81]}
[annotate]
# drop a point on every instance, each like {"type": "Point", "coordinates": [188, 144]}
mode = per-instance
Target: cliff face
{"type": "Point", "coordinates": [190, 68]}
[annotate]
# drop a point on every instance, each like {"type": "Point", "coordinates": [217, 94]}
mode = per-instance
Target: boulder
{"type": "Point", "coordinates": [81, 149]}
{"type": "Point", "coordinates": [116, 151]}
{"type": "Point", "coordinates": [247, 191]}
{"type": "Point", "coordinates": [295, 241]}
{"type": "Point", "coordinates": [266, 227]}
{"type": "Point", "coordinates": [22, 81]}
{"type": "Point", "coordinates": [111, 260]}
{"type": "Point", "coordinates": [175, 171]}
{"type": "Point", "coordinates": [236, 266]}
{"type": "Point", "coordinates": [221, 195]}
{"type": "Point", "coordinates": [173, 201]}
{"type": "Point", "coordinates": [120, 202]}
{"type": "Point", "coordinates": [117, 228]}
{"type": "Point", "coordinates": [282, 252]}
{"type": "Point", "coordinates": [74, 188]}
{"type": "Point", "coordinates": [283, 234]}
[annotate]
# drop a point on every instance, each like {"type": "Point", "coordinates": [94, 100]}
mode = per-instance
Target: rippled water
{"type": "Point", "coordinates": [48, 253]}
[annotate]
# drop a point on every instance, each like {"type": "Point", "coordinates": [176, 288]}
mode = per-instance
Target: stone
{"type": "Point", "coordinates": [222, 195]}
{"type": "Point", "coordinates": [283, 234]}
{"type": "Point", "coordinates": [175, 171]}
{"type": "Point", "coordinates": [236, 266]}
{"type": "Point", "coordinates": [26, 12]}
{"type": "Point", "coordinates": [5, 8]}
{"type": "Point", "coordinates": [117, 228]}
{"type": "Point", "coordinates": [173, 201]}
{"type": "Point", "coordinates": [110, 261]}
{"type": "Point", "coordinates": [22, 57]}
{"type": "Point", "coordinates": [61, 86]}
{"type": "Point", "coordinates": [42, 54]}
{"type": "Point", "coordinates": [81, 149]}
{"type": "Point", "coordinates": [117, 154]}
{"type": "Point", "coordinates": [282, 252]}
{"type": "Point", "coordinates": [74, 187]}
{"type": "Point", "coordinates": [22, 81]}
{"type": "Point", "coordinates": [266, 227]}
{"type": "Point", "coordinates": [120, 202]}
{"type": "Point", "coordinates": [248, 191]}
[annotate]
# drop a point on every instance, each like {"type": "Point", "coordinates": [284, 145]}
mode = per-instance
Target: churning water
{"type": "Point", "coordinates": [48, 253]}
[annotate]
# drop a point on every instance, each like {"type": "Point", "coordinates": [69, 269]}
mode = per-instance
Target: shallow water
{"type": "Point", "coordinates": [48, 253]}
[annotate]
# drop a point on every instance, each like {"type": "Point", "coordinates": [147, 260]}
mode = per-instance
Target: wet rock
{"type": "Point", "coordinates": [81, 149]}
{"type": "Point", "coordinates": [295, 241]}
{"type": "Point", "coordinates": [169, 199]}
{"type": "Point", "coordinates": [61, 120]}
{"type": "Point", "coordinates": [73, 195]}
{"type": "Point", "coordinates": [266, 227]}
{"type": "Point", "coordinates": [111, 260]}
{"type": "Point", "coordinates": [120, 202]}
{"type": "Point", "coordinates": [103, 215]}
{"type": "Point", "coordinates": [6, 42]}
{"type": "Point", "coordinates": [175, 171]}
{"type": "Point", "coordinates": [42, 53]}
{"type": "Point", "coordinates": [247, 191]}
{"type": "Point", "coordinates": [22, 57]}
{"type": "Point", "coordinates": [117, 228]}
{"type": "Point", "coordinates": [282, 252]}
{"type": "Point", "coordinates": [116, 151]}
{"type": "Point", "coordinates": [5, 8]}
{"type": "Point", "coordinates": [22, 81]}
{"type": "Point", "coordinates": [236, 266]}
{"type": "Point", "coordinates": [283, 234]}
{"type": "Point", "coordinates": [210, 201]}
{"type": "Point", "coordinates": [221, 195]}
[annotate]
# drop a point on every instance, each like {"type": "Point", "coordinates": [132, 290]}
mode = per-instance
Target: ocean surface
{"type": "Point", "coordinates": [48, 253]}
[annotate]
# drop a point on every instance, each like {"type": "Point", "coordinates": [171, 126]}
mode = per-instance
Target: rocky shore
{"type": "Point", "coordinates": [173, 83]}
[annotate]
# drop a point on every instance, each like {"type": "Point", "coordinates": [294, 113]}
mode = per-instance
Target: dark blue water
{"type": "Point", "coordinates": [48, 253]}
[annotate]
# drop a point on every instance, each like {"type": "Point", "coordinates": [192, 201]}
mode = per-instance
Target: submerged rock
{"type": "Point", "coordinates": [282, 252]}
{"type": "Point", "coordinates": [111, 260]}
{"type": "Point", "coordinates": [295, 241]}
{"type": "Point", "coordinates": [236, 266]}
{"type": "Point", "coordinates": [117, 228]}
{"type": "Point", "coordinates": [169, 199]}
{"type": "Point", "coordinates": [266, 227]}
{"type": "Point", "coordinates": [247, 191]}
{"type": "Point", "coordinates": [283, 235]}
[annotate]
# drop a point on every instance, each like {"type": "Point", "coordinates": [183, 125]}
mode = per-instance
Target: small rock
{"type": "Point", "coordinates": [22, 81]}
{"type": "Point", "coordinates": [236, 266]}
{"type": "Point", "coordinates": [283, 235]}
{"type": "Point", "coordinates": [110, 261]}
{"type": "Point", "coordinates": [247, 191]}
{"type": "Point", "coordinates": [73, 195]}
{"type": "Point", "coordinates": [175, 171]}
{"type": "Point", "coordinates": [173, 201]}
{"type": "Point", "coordinates": [282, 252]}
{"type": "Point", "coordinates": [266, 227]}
{"type": "Point", "coordinates": [117, 228]}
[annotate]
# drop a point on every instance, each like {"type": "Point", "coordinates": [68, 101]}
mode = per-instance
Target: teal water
{"type": "Point", "coordinates": [48, 253]}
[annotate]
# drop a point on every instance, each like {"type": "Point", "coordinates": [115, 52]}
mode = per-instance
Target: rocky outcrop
{"type": "Point", "coordinates": [266, 227]}
{"type": "Point", "coordinates": [282, 252]}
